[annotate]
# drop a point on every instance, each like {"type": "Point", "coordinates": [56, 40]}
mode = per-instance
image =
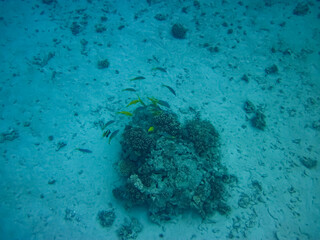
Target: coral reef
{"type": "Point", "coordinates": [259, 121]}
{"type": "Point", "coordinates": [249, 107]}
{"type": "Point", "coordinates": [167, 122]}
{"type": "Point", "coordinates": [256, 116]}
{"type": "Point", "coordinates": [130, 229]}
{"type": "Point", "coordinates": [173, 169]}
{"type": "Point", "coordinates": [106, 217]}
{"type": "Point", "coordinates": [140, 141]}
{"type": "Point", "coordinates": [308, 162]}
{"type": "Point", "coordinates": [301, 9]}
{"type": "Point", "coordinates": [102, 64]}
{"type": "Point", "coordinates": [273, 69]}
{"type": "Point", "coordinates": [202, 134]}
{"type": "Point", "coordinates": [178, 31]}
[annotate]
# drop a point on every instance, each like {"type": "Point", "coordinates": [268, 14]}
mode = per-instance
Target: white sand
{"type": "Point", "coordinates": [66, 95]}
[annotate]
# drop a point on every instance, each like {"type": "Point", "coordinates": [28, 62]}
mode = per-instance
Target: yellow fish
{"type": "Point", "coordinates": [160, 69]}
{"type": "Point", "coordinates": [125, 113]}
{"type": "Point", "coordinates": [106, 133]}
{"type": "Point", "coordinates": [156, 113]}
{"type": "Point", "coordinates": [153, 100]}
{"type": "Point", "coordinates": [133, 102]}
{"type": "Point", "coordinates": [143, 104]}
{"type": "Point", "coordinates": [151, 129]}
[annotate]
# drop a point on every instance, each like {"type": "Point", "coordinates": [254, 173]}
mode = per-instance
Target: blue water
{"type": "Point", "coordinates": [249, 68]}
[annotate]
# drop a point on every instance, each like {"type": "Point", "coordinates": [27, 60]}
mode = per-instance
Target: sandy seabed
{"type": "Point", "coordinates": [54, 94]}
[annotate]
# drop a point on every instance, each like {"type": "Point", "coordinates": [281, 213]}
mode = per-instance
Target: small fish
{"type": "Point", "coordinates": [160, 69]}
{"type": "Point", "coordinates": [153, 100]}
{"type": "Point", "coordinates": [170, 89]}
{"type": "Point", "coordinates": [106, 133]}
{"type": "Point", "coordinates": [107, 124]}
{"type": "Point", "coordinates": [143, 104]}
{"type": "Point", "coordinates": [84, 150]}
{"type": "Point", "coordinates": [137, 78]}
{"type": "Point", "coordinates": [133, 102]}
{"type": "Point", "coordinates": [163, 103]}
{"type": "Point", "coordinates": [113, 135]}
{"type": "Point", "coordinates": [151, 129]}
{"type": "Point", "coordinates": [125, 113]}
{"type": "Point", "coordinates": [168, 136]}
{"type": "Point", "coordinates": [129, 90]}
{"type": "Point", "coordinates": [156, 112]}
